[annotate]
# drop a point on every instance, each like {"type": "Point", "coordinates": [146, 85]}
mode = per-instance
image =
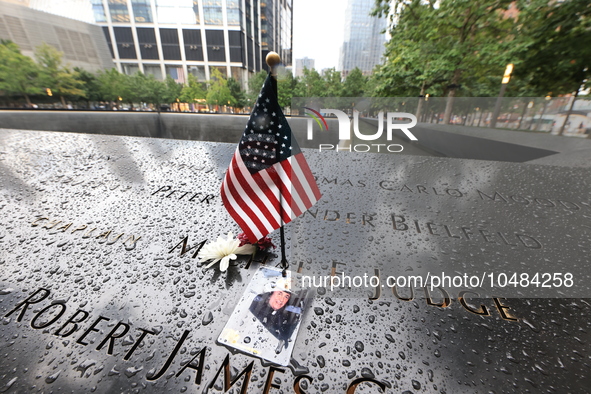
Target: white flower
{"type": "Point", "coordinates": [224, 250]}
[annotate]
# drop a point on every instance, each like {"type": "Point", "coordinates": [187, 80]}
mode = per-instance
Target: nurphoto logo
{"type": "Point", "coordinates": [363, 130]}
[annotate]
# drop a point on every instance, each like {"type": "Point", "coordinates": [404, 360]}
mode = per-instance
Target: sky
{"type": "Point", "coordinates": [318, 31]}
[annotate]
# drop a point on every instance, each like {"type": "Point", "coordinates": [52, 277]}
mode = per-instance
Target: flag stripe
{"type": "Point", "coordinates": [243, 220]}
{"type": "Point", "coordinates": [286, 193]}
{"type": "Point", "coordinates": [283, 193]}
{"type": "Point", "coordinates": [268, 211]}
{"type": "Point", "coordinates": [303, 190]}
{"type": "Point", "coordinates": [310, 181]}
{"type": "Point", "coordinates": [272, 186]}
{"type": "Point", "coordinates": [295, 193]}
{"type": "Point", "coordinates": [298, 188]}
{"type": "Point", "coordinates": [245, 203]}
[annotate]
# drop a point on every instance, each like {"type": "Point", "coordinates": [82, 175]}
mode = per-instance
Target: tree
{"type": "Point", "coordinates": [154, 92]}
{"type": "Point", "coordinates": [192, 91]}
{"type": "Point", "coordinates": [355, 84]}
{"type": "Point", "coordinates": [255, 83]}
{"type": "Point", "coordinates": [172, 92]}
{"type": "Point", "coordinates": [19, 74]}
{"type": "Point", "coordinates": [552, 37]}
{"type": "Point", "coordinates": [286, 86]}
{"type": "Point", "coordinates": [131, 88]}
{"type": "Point", "coordinates": [61, 80]}
{"type": "Point", "coordinates": [555, 35]}
{"type": "Point", "coordinates": [112, 85]}
{"type": "Point", "coordinates": [90, 85]}
{"type": "Point", "coordinates": [218, 92]}
{"type": "Point", "coordinates": [445, 45]}
{"type": "Point", "coordinates": [311, 84]}
{"type": "Point", "coordinates": [333, 81]}
{"type": "Point", "coordinates": [237, 92]}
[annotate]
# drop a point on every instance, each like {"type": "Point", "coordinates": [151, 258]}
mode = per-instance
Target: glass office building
{"type": "Point", "coordinates": [182, 37]}
{"type": "Point", "coordinates": [364, 39]}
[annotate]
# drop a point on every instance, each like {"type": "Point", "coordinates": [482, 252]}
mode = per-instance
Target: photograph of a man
{"type": "Point", "coordinates": [266, 319]}
{"type": "Point", "coordinates": [278, 310]}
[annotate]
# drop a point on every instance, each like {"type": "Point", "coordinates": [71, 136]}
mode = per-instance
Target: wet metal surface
{"type": "Point", "coordinates": [91, 240]}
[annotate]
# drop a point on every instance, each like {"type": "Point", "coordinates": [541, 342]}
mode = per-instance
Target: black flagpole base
{"type": "Point", "coordinates": [284, 263]}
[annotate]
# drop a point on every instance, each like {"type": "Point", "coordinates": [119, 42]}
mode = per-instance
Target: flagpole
{"type": "Point", "coordinates": [273, 60]}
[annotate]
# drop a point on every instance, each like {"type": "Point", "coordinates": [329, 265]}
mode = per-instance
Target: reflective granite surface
{"type": "Point", "coordinates": [97, 293]}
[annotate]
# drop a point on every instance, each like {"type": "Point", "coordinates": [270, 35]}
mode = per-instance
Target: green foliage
{"type": "Point", "coordinates": [355, 84]}
{"type": "Point", "coordinates": [434, 49]}
{"type": "Point", "coordinates": [192, 91]}
{"type": "Point", "coordinates": [154, 91]}
{"type": "Point", "coordinates": [132, 87]}
{"type": "Point", "coordinates": [89, 84]}
{"type": "Point", "coordinates": [255, 83]}
{"type": "Point", "coordinates": [286, 84]}
{"type": "Point", "coordinates": [333, 83]}
{"type": "Point", "coordinates": [218, 92]}
{"type": "Point", "coordinates": [19, 74]}
{"type": "Point", "coordinates": [172, 91]}
{"type": "Point", "coordinates": [311, 84]}
{"type": "Point", "coordinates": [437, 46]}
{"type": "Point", "coordinates": [111, 85]}
{"type": "Point", "coordinates": [237, 92]}
{"type": "Point", "coordinates": [61, 80]}
{"type": "Point", "coordinates": [554, 39]}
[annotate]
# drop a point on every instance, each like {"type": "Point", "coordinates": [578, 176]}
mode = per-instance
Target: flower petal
{"type": "Point", "coordinates": [225, 263]}
{"type": "Point", "coordinates": [224, 250]}
{"type": "Point", "coordinates": [212, 263]}
{"type": "Point", "coordinates": [246, 249]}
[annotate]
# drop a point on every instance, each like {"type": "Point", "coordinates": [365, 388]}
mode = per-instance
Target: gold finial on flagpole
{"type": "Point", "coordinates": [273, 61]}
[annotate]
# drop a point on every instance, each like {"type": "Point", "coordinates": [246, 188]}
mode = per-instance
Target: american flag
{"type": "Point", "coordinates": [177, 74]}
{"type": "Point", "coordinates": [268, 182]}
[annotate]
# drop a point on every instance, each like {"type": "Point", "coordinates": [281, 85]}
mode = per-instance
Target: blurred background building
{"type": "Point", "coordinates": [74, 9]}
{"type": "Point", "coordinates": [182, 37]}
{"type": "Point", "coordinates": [364, 39]}
{"type": "Point", "coordinates": [303, 63]}
{"type": "Point", "coordinates": [83, 44]}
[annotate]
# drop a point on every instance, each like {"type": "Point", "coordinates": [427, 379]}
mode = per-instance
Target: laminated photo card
{"type": "Point", "coordinates": [267, 318]}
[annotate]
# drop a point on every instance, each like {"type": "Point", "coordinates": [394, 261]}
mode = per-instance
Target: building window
{"type": "Point", "coordinates": [236, 45]}
{"type": "Point", "coordinates": [176, 72]}
{"type": "Point", "coordinates": [221, 69]}
{"type": "Point", "coordinates": [170, 44]}
{"type": "Point", "coordinates": [193, 45]}
{"type": "Point", "coordinates": [125, 45]}
{"type": "Point", "coordinates": [233, 12]}
{"type": "Point", "coordinates": [237, 73]}
{"type": "Point", "coordinates": [147, 42]}
{"type": "Point", "coordinates": [108, 38]}
{"type": "Point", "coordinates": [166, 11]}
{"type": "Point", "coordinates": [142, 11]}
{"type": "Point", "coordinates": [198, 72]}
{"type": "Point", "coordinates": [255, 11]}
{"type": "Point", "coordinates": [250, 55]}
{"type": "Point", "coordinates": [130, 69]}
{"type": "Point", "coordinates": [248, 19]}
{"type": "Point", "coordinates": [118, 10]}
{"type": "Point", "coordinates": [212, 12]}
{"type": "Point", "coordinates": [185, 12]}
{"type": "Point", "coordinates": [153, 69]}
{"type": "Point", "coordinates": [99, 11]}
{"type": "Point", "coordinates": [215, 45]}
